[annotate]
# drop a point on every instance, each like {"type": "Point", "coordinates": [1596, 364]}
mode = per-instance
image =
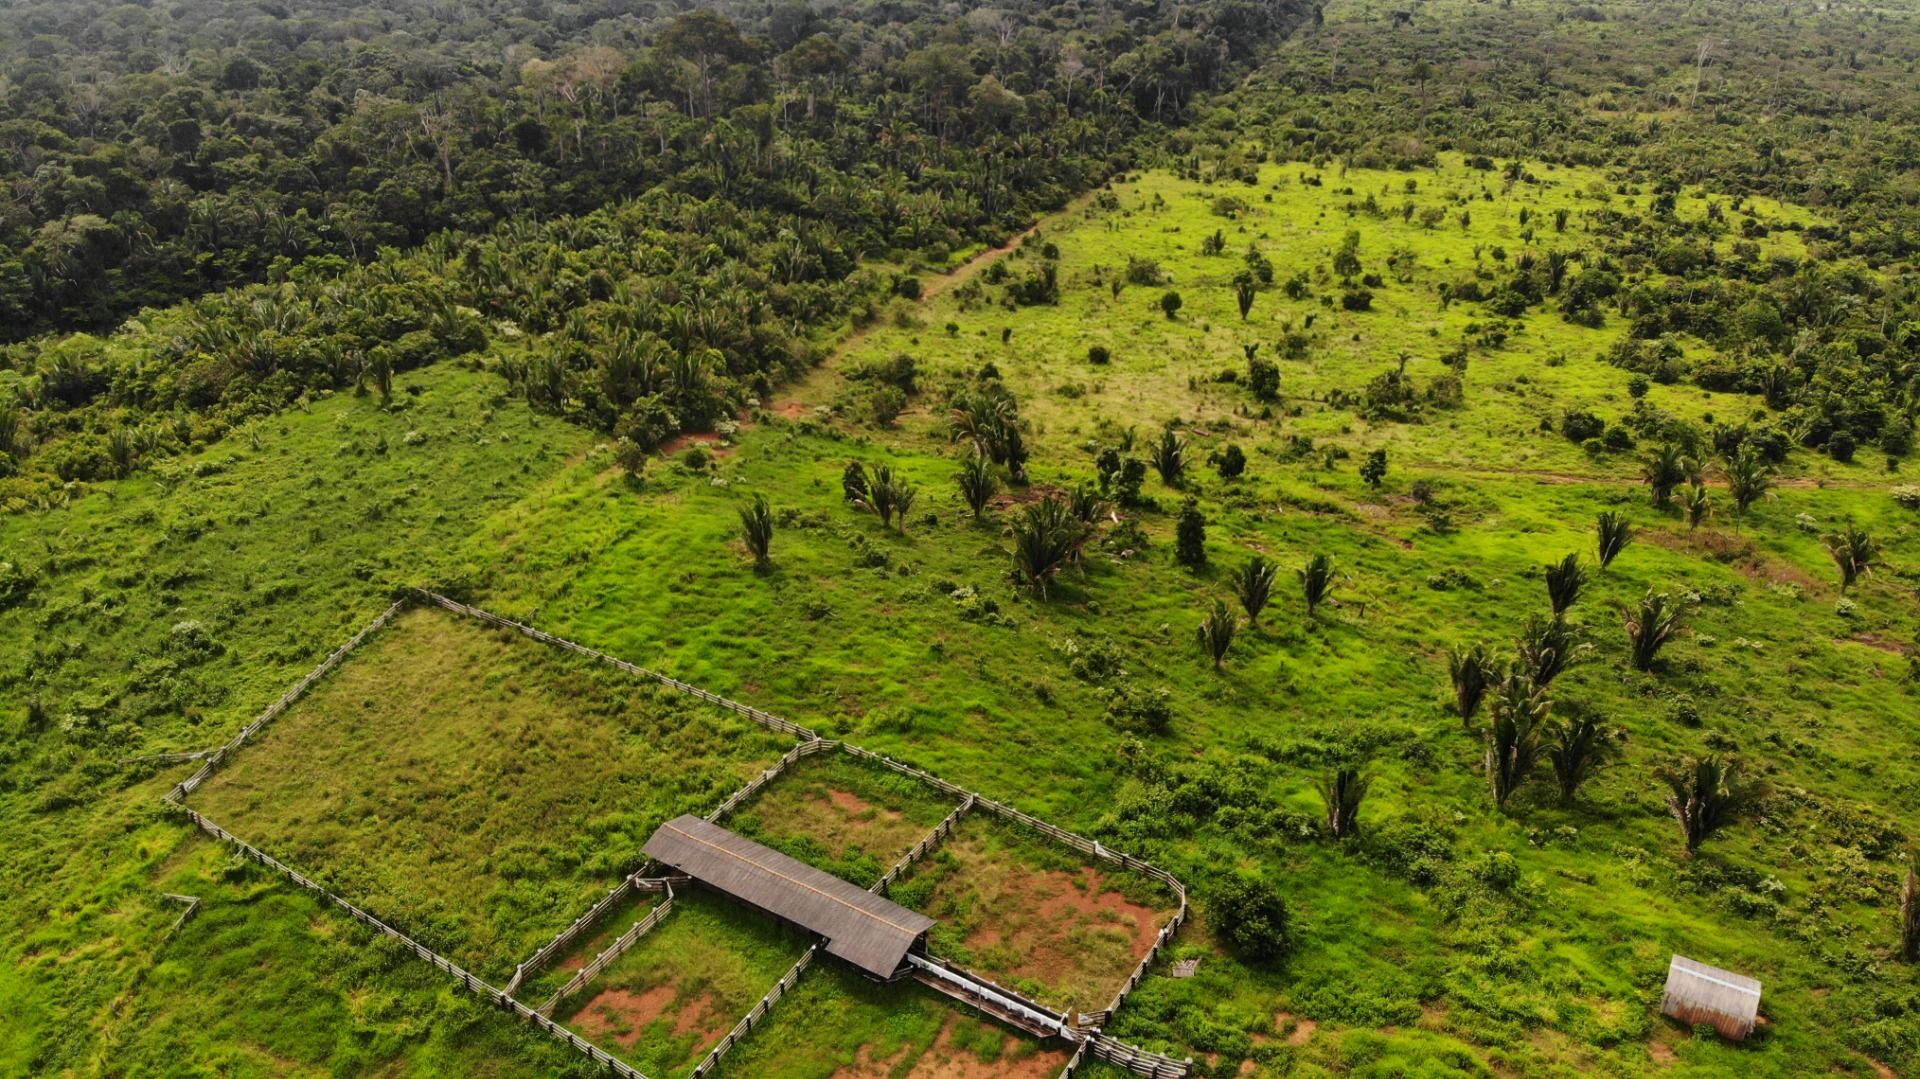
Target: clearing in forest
{"type": "Point", "coordinates": [1034, 915]}
{"type": "Point", "coordinates": [664, 1002]}
{"type": "Point", "coordinates": [841, 815]}
{"type": "Point", "coordinates": [477, 789]}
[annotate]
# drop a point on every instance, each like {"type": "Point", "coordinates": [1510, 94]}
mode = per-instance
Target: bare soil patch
{"type": "Point", "coordinates": [620, 1016]}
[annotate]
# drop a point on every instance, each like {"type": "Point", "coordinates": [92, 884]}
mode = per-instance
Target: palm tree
{"type": "Point", "coordinates": [1707, 794]}
{"type": "Point", "coordinates": [1519, 708]}
{"type": "Point", "coordinates": [1854, 552]}
{"type": "Point", "coordinates": [1697, 504]}
{"type": "Point", "coordinates": [1910, 911]}
{"type": "Point", "coordinates": [1343, 789]}
{"type": "Point", "coordinates": [756, 526]}
{"type": "Point", "coordinates": [1086, 504]}
{"type": "Point", "coordinates": [1254, 586]}
{"type": "Point", "coordinates": [1170, 457]}
{"type": "Point", "coordinates": [1216, 633]}
{"type": "Point", "coordinates": [1316, 580]}
{"type": "Point", "coordinates": [1564, 582]}
{"type": "Point", "coordinates": [1046, 539]}
{"type": "Point", "coordinates": [1244, 290]}
{"type": "Point", "coordinates": [1748, 479]}
{"type": "Point", "coordinates": [1650, 626]}
{"type": "Point", "coordinates": [1472, 671]}
{"type": "Point", "coordinates": [1578, 748]}
{"type": "Point", "coordinates": [1664, 470]}
{"type": "Point", "coordinates": [977, 483]}
{"type": "Point", "coordinates": [1548, 646]}
{"type": "Point", "coordinates": [1614, 533]}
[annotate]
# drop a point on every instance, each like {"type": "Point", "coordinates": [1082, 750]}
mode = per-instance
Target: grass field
{"type": "Point", "coordinates": [680, 988]}
{"type": "Point", "coordinates": [1450, 939]}
{"type": "Point", "coordinates": [1549, 973]}
{"type": "Point", "coordinates": [478, 788]}
{"type": "Point", "coordinates": [834, 812]}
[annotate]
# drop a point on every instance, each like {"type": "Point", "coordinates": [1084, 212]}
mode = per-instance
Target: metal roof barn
{"type": "Point", "coordinates": [872, 933]}
{"type": "Point", "coordinates": [1698, 993]}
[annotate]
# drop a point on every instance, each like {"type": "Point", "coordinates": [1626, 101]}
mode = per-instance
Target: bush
{"type": "Point", "coordinates": [1251, 915]}
{"type": "Point", "coordinates": [1099, 355]}
{"type": "Point", "coordinates": [1356, 299]}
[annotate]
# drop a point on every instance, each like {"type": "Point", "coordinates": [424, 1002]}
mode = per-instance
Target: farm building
{"type": "Point", "coordinates": [1698, 993]}
{"type": "Point", "coordinates": [872, 933]}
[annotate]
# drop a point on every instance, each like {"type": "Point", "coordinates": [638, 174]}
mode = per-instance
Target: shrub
{"type": "Point", "coordinates": [1251, 915]}
{"type": "Point", "coordinates": [1099, 355]}
{"type": "Point", "coordinates": [1190, 535]}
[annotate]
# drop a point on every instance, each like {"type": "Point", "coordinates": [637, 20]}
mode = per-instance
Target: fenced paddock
{"type": "Point", "coordinates": [1081, 1030]}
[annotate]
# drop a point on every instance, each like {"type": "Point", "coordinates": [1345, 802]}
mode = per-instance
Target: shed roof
{"type": "Point", "coordinates": [1698, 993]}
{"type": "Point", "coordinates": [872, 933]}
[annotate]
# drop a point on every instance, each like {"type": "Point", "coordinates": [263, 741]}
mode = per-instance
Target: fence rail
{"type": "Point", "coordinates": [759, 1012]}
{"type": "Point", "coordinates": [613, 951]}
{"type": "Point", "coordinates": [765, 719]}
{"type": "Point", "coordinates": [754, 785]}
{"type": "Point", "coordinates": [920, 849]}
{"type": "Point", "coordinates": [299, 689]}
{"type": "Point", "coordinates": [640, 879]}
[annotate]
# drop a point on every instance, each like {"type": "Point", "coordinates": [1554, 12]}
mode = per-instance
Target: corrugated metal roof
{"type": "Point", "coordinates": [872, 933]}
{"type": "Point", "coordinates": [1698, 993]}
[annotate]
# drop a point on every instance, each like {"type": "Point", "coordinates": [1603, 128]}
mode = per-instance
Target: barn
{"type": "Point", "coordinates": [870, 932]}
{"type": "Point", "coordinates": [1697, 993]}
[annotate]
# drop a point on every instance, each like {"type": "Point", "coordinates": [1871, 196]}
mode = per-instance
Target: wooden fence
{"type": "Point", "coordinates": [920, 849]}
{"type": "Point", "coordinates": [642, 880]}
{"type": "Point", "coordinates": [759, 1012]}
{"type": "Point", "coordinates": [765, 719]}
{"type": "Point", "coordinates": [753, 786]}
{"type": "Point", "coordinates": [613, 951]}
{"type": "Point", "coordinates": [1135, 1059]}
{"type": "Point", "coordinates": [186, 786]}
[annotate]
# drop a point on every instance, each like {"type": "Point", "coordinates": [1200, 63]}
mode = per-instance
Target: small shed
{"type": "Point", "coordinates": [1697, 993]}
{"type": "Point", "coordinates": [868, 931]}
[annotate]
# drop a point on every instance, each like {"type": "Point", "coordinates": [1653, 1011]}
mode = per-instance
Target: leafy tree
{"type": "Point", "coordinates": [1170, 304]}
{"type": "Point", "coordinates": [1190, 535]}
{"type": "Point", "coordinates": [1263, 378]}
{"type": "Point", "coordinates": [1650, 626]}
{"type": "Point", "coordinates": [1316, 581]}
{"type": "Point", "coordinates": [1251, 915]}
{"type": "Point", "coordinates": [1046, 539]}
{"type": "Point", "coordinates": [854, 485]}
{"type": "Point", "coordinates": [1374, 470]}
{"type": "Point", "coordinates": [977, 484]}
{"type": "Point", "coordinates": [1707, 794]}
{"type": "Point", "coordinates": [1578, 748]}
{"type": "Point", "coordinates": [1519, 710]}
{"type": "Point", "coordinates": [1230, 461]}
{"type": "Point", "coordinates": [1253, 586]}
{"type": "Point", "coordinates": [1664, 470]}
{"type": "Point", "coordinates": [1853, 551]}
{"type": "Point", "coordinates": [1472, 670]}
{"type": "Point", "coordinates": [1170, 457]}
{"type": "Point", "coordinates": [1217, 631]}
{"type": "Point", "coordinates": [1341, 791]}
{"type": "Point", "coordinates": [1613, 532]}
{"type": "Point", "coordinates": [756, 527]}
{"type": "Point", "coordinates": [1565, 580]}
{"type": "Point", "coordinates": [1749, 478]}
